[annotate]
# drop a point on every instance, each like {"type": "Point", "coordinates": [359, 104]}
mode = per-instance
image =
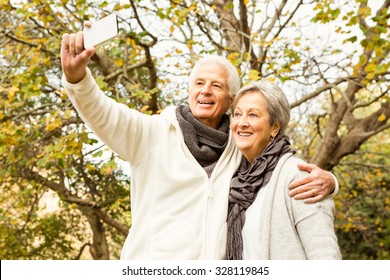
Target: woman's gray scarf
{"type": "Point", "coordinates": [205, 143]}
{"type": "Point", "coordinates": [244, 187]}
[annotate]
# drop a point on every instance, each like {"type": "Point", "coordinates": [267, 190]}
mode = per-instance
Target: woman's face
{"type": "Point", "coordinates": [250, 125]}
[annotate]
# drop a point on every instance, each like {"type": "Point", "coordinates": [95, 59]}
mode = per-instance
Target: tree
{"type": "Point", "coordinates": [45, 147]}
{"type": "Point", "coordinates": [363, 203]}
{"type": "Point", "coordinates": [337, 85]}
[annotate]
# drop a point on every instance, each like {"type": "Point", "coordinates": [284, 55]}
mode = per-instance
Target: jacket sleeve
{"type": "Point", "coordinates": [336, 186]}
{"type": "Point", "coordinates": [124, 130]}
{"type": "Point", "coordinates": [315, 226]}
{"type": "Point", "coordinates": [314, 223]}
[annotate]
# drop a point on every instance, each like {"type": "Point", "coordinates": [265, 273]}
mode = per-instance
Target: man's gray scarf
{"type": "Point", "coordinates": [244, 187]}
{"type": "Point", "coordinates": [205, 143]}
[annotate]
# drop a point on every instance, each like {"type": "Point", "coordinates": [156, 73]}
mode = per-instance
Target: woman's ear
{"type": "Point", "coordinates": [275, 130]}
{"type": "Point", "coordinates": [230, 108]}
{"type": "Point", "coordinates": [231, 102]}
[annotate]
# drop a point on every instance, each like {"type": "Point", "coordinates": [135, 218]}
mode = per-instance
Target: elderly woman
{"type": "Point", "coordinates": [264, 222]}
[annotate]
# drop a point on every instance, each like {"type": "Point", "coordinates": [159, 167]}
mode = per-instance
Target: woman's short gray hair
{"type": "Point", "coordinates": [278, 106]}
{"type": "Point", "coordinates": [234, 81]}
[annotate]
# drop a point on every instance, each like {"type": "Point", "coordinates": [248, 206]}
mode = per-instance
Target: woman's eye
{"type": "Point", "coordinates": [252, 115]}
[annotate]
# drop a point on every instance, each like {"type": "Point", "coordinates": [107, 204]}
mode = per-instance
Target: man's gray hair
{"type": "Point", "coordinates": [234, 81]}
{"type": "Point", "coordinates": [278, 106]}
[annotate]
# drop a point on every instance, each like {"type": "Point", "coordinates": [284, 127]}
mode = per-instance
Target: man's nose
{"type": "Point", "coordinates": [206, 89]}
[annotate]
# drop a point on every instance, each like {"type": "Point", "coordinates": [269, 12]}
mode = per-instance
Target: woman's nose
{"type": "Point", "coordinates": [243, 122]}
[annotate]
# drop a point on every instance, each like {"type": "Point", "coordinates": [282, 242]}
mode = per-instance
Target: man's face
{"type": "Point", "coordinates": [209, 95]}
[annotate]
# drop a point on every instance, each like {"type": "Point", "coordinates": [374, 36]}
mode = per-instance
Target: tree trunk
{"type": "Point", "coordinates": [99, 248]}
{"type": "Point", "coordinates": [334, 147]}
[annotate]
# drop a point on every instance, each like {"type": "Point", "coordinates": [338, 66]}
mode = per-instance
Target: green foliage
{"type": "Point", "coordinates": [326, 13]}
{"type": "Point", "coordinates": [363, 204]}
{"type": "Point", "coordinates": [44, 145]}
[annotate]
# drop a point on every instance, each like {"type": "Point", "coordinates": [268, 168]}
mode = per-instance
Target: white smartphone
{"type": "Point", "coordinates": [101, 31]}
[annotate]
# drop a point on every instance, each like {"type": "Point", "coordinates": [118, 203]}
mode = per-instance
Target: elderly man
{"type": "Point", "coordinates": [182, 160]}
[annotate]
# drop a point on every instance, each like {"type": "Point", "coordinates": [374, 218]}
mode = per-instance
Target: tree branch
{"type": "Point", "coordinates": [154, 38]}
{"type": "Point", "coordinates": [316, 92]}
{"type": "Point", "coordinates": [118, 72]}
{"type": "Point", "coordinates": [371, 166]}
{"type": "Point", "coordinates": [82, 250]}
{"type": "Point", "coordinates": [30, 44]}
{"type": "Point", "coordinates": [119, 226]}
{"type": "Point", "coordinates": [263, 51]}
